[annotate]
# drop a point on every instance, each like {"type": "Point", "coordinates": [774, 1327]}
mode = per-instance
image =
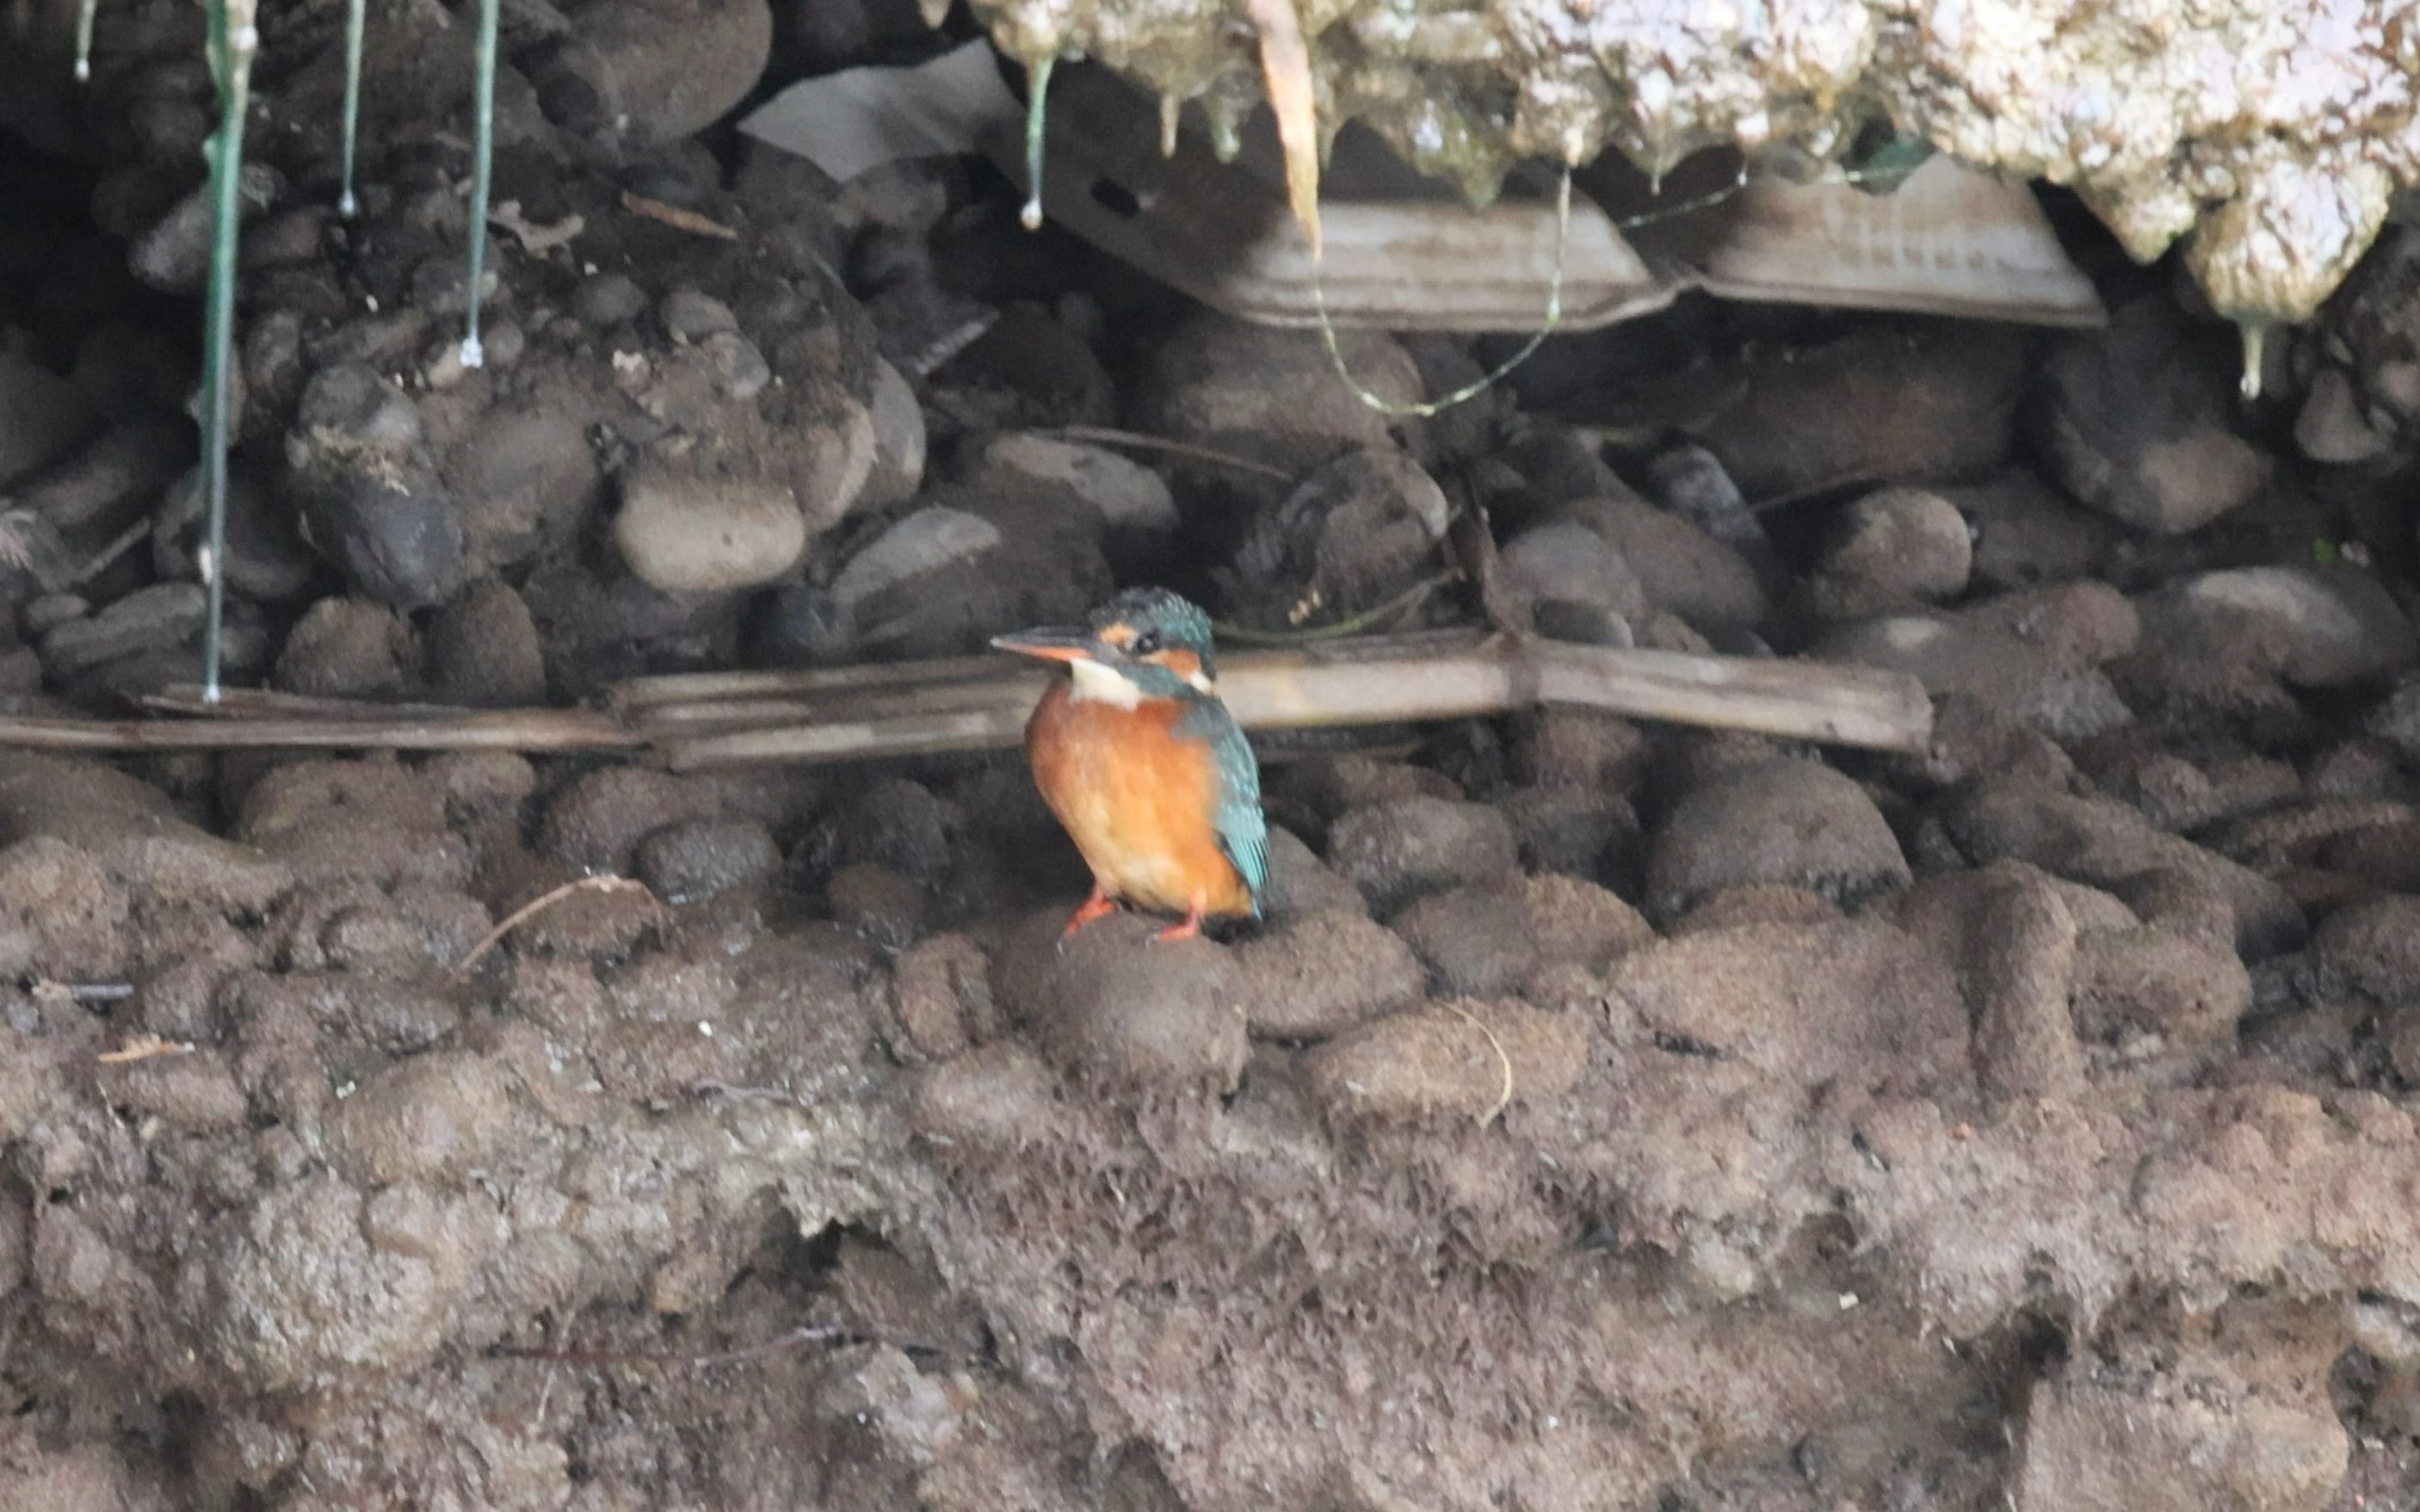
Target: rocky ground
{"type": "Point", "coordinates": [1606, 1115]}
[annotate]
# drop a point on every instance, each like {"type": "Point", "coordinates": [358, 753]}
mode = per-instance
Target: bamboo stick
{"type": "Point", "coordinates": [525, 730]}
{"type": "Point", "coordinates": [682, 687]}
{"type": "Point", "coordinates": [1382, 680]}
{"type": "Point", "coordinates": [982, 702]}
{"type": "Point", "coordinates": [871, 705]}
{"type": "Point", "coordinates": [1826, 702]}
{"type": "Point", "coordinates": [269, 704]}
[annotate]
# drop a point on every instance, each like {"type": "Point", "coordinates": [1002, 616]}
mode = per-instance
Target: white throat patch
{"type": "Point", "coordinates": [1098, 683]}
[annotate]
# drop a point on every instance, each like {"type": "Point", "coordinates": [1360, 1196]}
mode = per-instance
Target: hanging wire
{"type": "Point", "coordinates": [84, 40]}
{"type": "Point", "coordinates": [233, 41]}
{"type": "Point", "coordinates": [347, 206]}
{"type": "Point", "coordinates": [1036, 107]}
{"type": "Point", "coordinates": [1472, 389]}
{"type": "Point", "coordinates": [482, 164]}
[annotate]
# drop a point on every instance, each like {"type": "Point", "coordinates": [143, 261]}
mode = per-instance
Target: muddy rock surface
{"type": "Point", "coordinates": [1601, 1115]}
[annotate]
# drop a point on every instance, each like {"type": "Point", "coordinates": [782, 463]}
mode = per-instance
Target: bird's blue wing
{"type": "Point", "coordinates": [1243, 829]}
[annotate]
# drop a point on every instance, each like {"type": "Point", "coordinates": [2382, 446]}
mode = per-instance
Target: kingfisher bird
{"type": "Point", "coordinates": [1146, 770]}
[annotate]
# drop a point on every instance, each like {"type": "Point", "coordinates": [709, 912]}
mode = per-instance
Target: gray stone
{"type": "Point", "coordinates": [740, 371]}
{"type": "Point", "coordinates": [694, 860]}
{"type": "Point", "coordinates": [1903, 541]}
{"type": "Point", "coordinates": [1566, 563]}
{"type": "Point", "coordinates": [1773, 821]}
{"type": "Point", "coordinates": [1272, 395]}
{"type": "Point", "coordinates": [104, 484]}
{"type": "Point", "coordinates": [174, 255]}
{"type": "Point", "coordinates": [347, 648]}
{"type": "Point", "coordinates": [899, 441]}
{"type": "Point", "coordinates": [266, 558]}
{"type": "Point", "coordinates": [2396, 718]}
{"type": "Point", "coordinates": [1356, 533]}
{"type": "Point", "coordinates": [603, 300]}
{"type": "Point", "coordinates": [1475, 941]}
{"type": "Point", "coordinates": [1125, 495]}
{"type": "Point", "coordinates": [677, 69]}
{"type": "Point", "coordinates": [692, 315]}
{"type": "Point", "coordinates": [164, 615]}
{"type": "Point", "coordinates": [2134, 423]}
{"type": "Point", "coordinates": [484, 651]}
{"type": "Point", "coordinates": [687, 534]}
{"type": "Point", "coordinates": [2025, 534]}
{"type": "Point", "coordinates": [1681, 568]}
{"type": "Point", "coordinates": [2333, 426]}
{"type": "Point", "coordinates": [1398, 848]}
{"type": "Point", "coordinates": [846, 447]}
{"type": "Point", "coordinates": [47, 415]}
{"type": "Point", "coordinates": [1324, 972]}
{"type": "Point", "coordinates": [2313, 626]}
{"type": "Point", "coordinates": [371, 500]}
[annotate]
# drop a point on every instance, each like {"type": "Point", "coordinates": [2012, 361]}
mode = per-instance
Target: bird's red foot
{"type": "Point", "coordinates": [1097, 906]}
{"type": "Point", "coordinates": [1189, 930]}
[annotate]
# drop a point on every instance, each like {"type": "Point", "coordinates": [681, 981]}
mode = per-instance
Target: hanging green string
{"type": "Point", "coordinates": [347, 206]}
{"type": "Point", "coordinates": [233, 41]}
{"type": "Point", "coordinates": [1035, 118]}
{"type": "Point", "coordinates": [483, 158]}
{"type": "Point", "coordinates": [84, 40]}
{"type": "Point", "coordinates": [1479, 385]}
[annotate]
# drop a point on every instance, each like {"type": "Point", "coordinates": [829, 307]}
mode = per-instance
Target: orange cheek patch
{"type": "Point", "coordinates": [1184, 664]}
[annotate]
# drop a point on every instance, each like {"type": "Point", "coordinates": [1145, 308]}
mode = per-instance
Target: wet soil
{"type": "Point", "coordinates": [1605, 1115]}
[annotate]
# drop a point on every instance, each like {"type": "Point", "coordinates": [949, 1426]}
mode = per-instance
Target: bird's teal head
{"type": "Point", "coordinates": [1145, 643]}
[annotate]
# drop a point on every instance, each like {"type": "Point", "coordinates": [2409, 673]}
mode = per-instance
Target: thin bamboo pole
{"type": "Point", "coordinates": [980, 703]}
{"type": "Point", "coordinates": [523, 730]}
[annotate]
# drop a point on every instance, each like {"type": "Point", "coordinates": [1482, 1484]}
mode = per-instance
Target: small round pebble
{"type": "Point", "coordinates": [1774, 820]}
{"type": "Point", "coordinates": [692, 315]}
{"type": "Point", "coordinates": [606, 300]}
{"type": "Point", "coordinates": [697, 859]}
{"type": "Point", "coordinates": [484, 650]}
{"type": "Point", "coordinates": [1475, 941]}
{"type": "Point", "coordinates": [891, 820]}
{"type": "Point", "coordinates": [878, 903]}
{"type": "Point", "coordinates": [1324, 973]}
{"type": "Point", "coordinates": [1904, 540]}
{"type": "Point", "coordinates": [1401, 848]}
{"type": "Point", "coordinates": [703, 535]}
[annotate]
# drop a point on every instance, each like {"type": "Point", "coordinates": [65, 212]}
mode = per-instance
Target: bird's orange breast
{"type": "Point", "coordinates": [1137, 799]}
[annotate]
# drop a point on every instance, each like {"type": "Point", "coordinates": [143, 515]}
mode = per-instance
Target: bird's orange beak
{"type": "Point", "coordinates": [1053, 645]}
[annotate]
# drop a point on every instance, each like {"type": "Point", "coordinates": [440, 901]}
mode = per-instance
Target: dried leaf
{"type": "Point", "coordinates": [142, 1047]}
{"type": "Point", "coordinates": [536, 240]}
{"type": "Point", "coordinates": [678, 218]}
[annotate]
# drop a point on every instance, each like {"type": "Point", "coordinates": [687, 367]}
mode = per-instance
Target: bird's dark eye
{"type": "Point", "coordinates": [1145, 643]}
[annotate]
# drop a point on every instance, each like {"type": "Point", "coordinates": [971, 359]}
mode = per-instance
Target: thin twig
{"type": "Point", "coordinates": [1106, 435]}
{"type": "Point", "coordinates": [676, 217]}
{"type": "Point", "coordinates": [142, 1047]}
{"type": "Point", "coordinates": [1410, 599]}
{"type": "Point", "coordinates": [109, 554]}
{"type": "Point", "coordinates": [544, 900]}
{"type": "Point", "coordinates": [522, 730]}
{"type": "Point", "coordinates": [981, 703]}
{"type": "Point", "coordinates": [1504, 1098]}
